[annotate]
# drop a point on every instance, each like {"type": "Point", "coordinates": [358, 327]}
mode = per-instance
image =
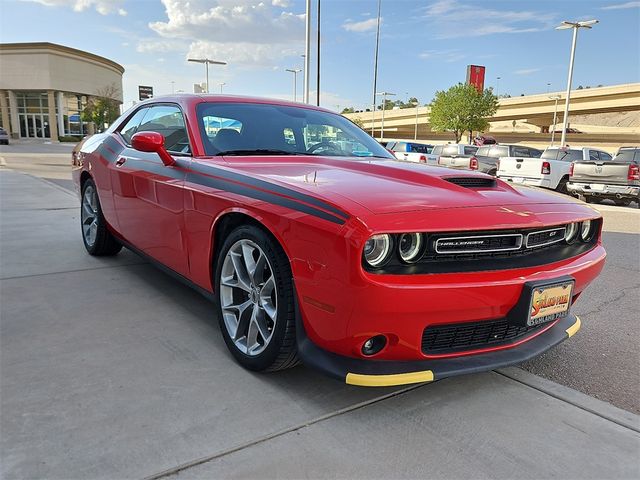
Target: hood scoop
{"type": "Point", "coordinates": [472, 182]}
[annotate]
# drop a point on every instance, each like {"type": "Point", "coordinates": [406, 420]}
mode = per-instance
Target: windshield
{"type": "Point", "coordinates": [267, 129]}
{"type": "Point", "coordinates": [562, 154]}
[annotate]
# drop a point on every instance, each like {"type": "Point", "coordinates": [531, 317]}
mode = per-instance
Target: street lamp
{"type": "Point", "coordinates": [498, 86]}
{"type": "Point", "coordinates": [415, 132]}
{"type": "Point", "coordinates": [222, 84]}
{"type": "Point", "coordinates": [575, 26]}
{"type": "Point", "coordinates": [307, 50]}
{"type": "Point", "coordinates": [295, 72]}
{"type": "Point", "coordinates": [206, 61]}
{"type": "Point", "coordinates": [555, 116]}
{"type": "Point", "coordinates": [384, 103]}
{"type": "Point", "coordinates": [375, 71]}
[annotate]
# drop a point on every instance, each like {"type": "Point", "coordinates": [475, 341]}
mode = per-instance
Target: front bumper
{"type": "Point", "coordinates": [380, 373]}
{"type": "Point", "coordinates": [604, 190]}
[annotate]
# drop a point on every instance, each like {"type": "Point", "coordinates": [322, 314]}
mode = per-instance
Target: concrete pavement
{"type": "Point", "coordinates": [111, 369]}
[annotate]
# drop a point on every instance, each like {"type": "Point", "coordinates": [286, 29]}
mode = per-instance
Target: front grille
{"type": "Point", "coordinates": [545, 237]}
{"type": "Point", "coordinates": [472, 182]}
{"type": "Point", "coordinates": [439, 339]}
{"type": "Point", "coordinates": [475, 243]}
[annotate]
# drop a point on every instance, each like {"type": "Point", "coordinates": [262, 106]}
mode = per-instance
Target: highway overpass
{"type": "Point", "coordinates": [536, 110]}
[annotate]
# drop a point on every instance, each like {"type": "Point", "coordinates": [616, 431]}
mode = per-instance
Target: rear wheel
{"type": "Point", "coordinates": [623, 202]}
{"type": "Point", "coordinates": [562, 186]}
{"type": "Point", "coordinates": [96, 237]}
{"type": "Point", "coordinates": [255, 300]}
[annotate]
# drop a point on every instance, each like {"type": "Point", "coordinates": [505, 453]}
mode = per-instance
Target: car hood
{"type": "Point", "coordinates": [384, 186]}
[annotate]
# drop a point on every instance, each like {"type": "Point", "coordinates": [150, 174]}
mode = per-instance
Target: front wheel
{"type": "Point", "coordinates": [97, 239]}
{"type": "Point", "coordinates": [255, 300]}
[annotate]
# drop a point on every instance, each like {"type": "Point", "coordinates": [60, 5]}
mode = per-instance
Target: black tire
{"type": "Point", "coordinates": [281, 351]}
{"type": "Point", "coordinates": [591, 199]}
{"type": "Point", "coordinates": [562, 186]}
{"type": "Point", "coordinates": [105, 244]}
{"type": "Point", "coordinates": [623, 202]}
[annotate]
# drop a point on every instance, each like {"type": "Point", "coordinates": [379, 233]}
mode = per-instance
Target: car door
{"type": "Point", "coordinates": [148, 195]}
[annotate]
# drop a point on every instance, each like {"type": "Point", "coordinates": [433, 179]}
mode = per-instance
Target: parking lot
{"type": "Point", "coordinates": [110, 369]}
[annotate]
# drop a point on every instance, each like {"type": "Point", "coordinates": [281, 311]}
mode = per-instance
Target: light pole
{"type": "Point", "coordinates": [206, 62]}
{"type": "Point", "coordinates": [384, 104]}
{"type": "Point", "coordinates": [173, 86]}
{"type": "Point", "coordinates": [498, 86]}
{"type": "Point", "coordinates": [222, 84]}
{"type": "Point", "coordinates": [548, 87]}
{"type": "Point", "coordinates": [415, 132]}
{"type": "Point", "coordinates": [555, 116]}
{"type": "Point", "coordinates": [375, 72]}
{"type": "Point", "coordinates": [295, 72]}
{"type": "Point", "coordinates": [575, 26]}
{"type": "Point", "coordinates": [307, 51]}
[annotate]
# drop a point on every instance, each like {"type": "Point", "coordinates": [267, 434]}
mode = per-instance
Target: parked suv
{"type": "Point", "coordinates": [411, 152]}
{"type": "Point", "coordinates": [551, 170]}
{"type": "Point", "coordinates": [617, 179]}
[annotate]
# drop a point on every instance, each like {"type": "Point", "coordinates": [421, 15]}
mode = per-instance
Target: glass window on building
{"type": "Point", "coordinates": [33, 114]}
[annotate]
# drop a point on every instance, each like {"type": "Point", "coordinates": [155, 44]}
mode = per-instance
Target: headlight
{"type": "Point", "coordinates": [586, 232]}
{"type": "Point", "coordinates": [571, 232]}
{"type": "Point", "coordinates": [410, 247]}
{"type": "Point", "coordinates": [376, 249]}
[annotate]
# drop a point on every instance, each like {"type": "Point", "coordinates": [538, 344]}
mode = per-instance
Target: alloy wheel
{"type": "Point", "coordinates": [89, 215]}
{"type": "Point", "coordinates": [248, 297]}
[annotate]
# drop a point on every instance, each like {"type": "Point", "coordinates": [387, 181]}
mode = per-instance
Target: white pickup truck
{"type": "Point", "coordinates": [410, 151]}
{"type": "Point", "coordinates": [551, 170]}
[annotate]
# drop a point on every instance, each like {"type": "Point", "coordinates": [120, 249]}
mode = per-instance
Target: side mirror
{"type": "Point", "coordinates": [152, 142]}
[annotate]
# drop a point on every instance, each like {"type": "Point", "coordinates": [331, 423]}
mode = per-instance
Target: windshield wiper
{"type": "Point", "coordinates": [257, 151]}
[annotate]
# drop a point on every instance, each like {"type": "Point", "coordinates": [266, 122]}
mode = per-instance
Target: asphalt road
{"type": "Point", "coordinates": [603, 360]}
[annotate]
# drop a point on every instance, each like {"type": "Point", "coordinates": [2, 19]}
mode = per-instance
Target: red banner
{"type": "Point", "coordinates": [475, 77]}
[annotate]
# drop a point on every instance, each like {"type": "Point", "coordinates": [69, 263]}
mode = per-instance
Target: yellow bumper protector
{"type": "Point", "coordinates": [389, 380]}
{"type": "Point", "coordinates": [574, 328]}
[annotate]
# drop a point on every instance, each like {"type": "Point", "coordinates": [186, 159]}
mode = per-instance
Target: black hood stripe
{"type": "Point", "coordinates": [254, 182]}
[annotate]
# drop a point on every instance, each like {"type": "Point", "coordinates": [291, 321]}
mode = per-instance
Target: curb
{"type": "Point", "coordinates": [585, 402]}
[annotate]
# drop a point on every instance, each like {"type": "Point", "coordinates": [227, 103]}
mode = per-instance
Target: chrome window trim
{"type": "Point", "coordinates": [561, 238]}
{"type": "Point", "coordinates": [518, 236]}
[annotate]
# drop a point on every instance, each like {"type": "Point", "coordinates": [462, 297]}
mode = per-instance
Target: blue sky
{"type": "Point", "coordinates": [424, 46]}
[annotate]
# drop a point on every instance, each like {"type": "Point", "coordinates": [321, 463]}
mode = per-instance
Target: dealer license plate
{"type": "Point", "coordinates": [550, 303]}
{"type": "Point", "coordinates": [597, 187]}
{"type": "Point", "coordinates": [518, 179]}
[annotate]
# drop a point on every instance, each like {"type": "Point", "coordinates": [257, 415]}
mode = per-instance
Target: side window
{"type": "Point", "coordinates": [418, 148]}
{"type": "Point", "coordinates": [131, 127]}
{"type": "Point", "coordinates": [593, 156]}
{"type": "Point", "coordinates": [289, 136]}
{"type": "Point", "coordinates": [520, 152]}
{"type": "Point", "coordinates": [167, 120]}
{"type": "Point", "coordinates": [400, 147]}
{"type": "Point", "coordinates": [605, 157]}
{"type": "Point", "coordinates": [470, 150]}
{"type": "Point", "coordinates": [437, 150]}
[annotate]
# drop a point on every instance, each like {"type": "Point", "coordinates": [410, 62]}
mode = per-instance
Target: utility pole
{"type": "Point", "coordinates": [307, 51]}
{"type": "Point", "coordinates": [375, 72]}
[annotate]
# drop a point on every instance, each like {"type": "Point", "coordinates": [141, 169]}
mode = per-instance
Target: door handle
{"type": "Point", "coordinates": [120, 161]}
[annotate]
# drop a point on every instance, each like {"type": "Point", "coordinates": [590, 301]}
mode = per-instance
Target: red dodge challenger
{"type": "Point", "coordinates": [318, 246]}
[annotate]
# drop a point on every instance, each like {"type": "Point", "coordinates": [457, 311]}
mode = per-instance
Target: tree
{"type": "Point", "coordinates": [358, 121]}
{"type": "Point", "coordinates": [348, 110]}
{"type": "Point", "coordinates": [102, 108]}
{"type": "Point", "coordinates": [462, 108]}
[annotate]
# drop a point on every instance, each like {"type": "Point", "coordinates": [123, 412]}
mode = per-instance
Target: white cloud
{"type": "Point", "coordinates": [526, 71]}
{"type": "Point", "coordinates": [363, 26]}
{"type": "Point", "coordinates": [452, 19]}
{"type": "Point", "coordinates": [621, 6]}
{"type": "Point", "coordinates": [103, 7]}
{"type": "Point", "coordinates": [448, 56]}
{"type": "Point", "coordinates": [240, 53]}
{"type": "Point", "coordinates": [242, 32]}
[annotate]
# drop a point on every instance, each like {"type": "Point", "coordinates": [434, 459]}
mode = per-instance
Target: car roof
{"type": "Point", "coordinates": [196, 98]}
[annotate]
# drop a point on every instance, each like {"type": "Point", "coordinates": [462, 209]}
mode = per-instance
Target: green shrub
{"type": "Point", "coordinates": [69, 138]}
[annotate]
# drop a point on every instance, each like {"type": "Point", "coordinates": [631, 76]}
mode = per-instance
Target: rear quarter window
{"type": "Point", "coordinates": [470, 150]}
{"type": "Point", "coordinates": [628, 155]}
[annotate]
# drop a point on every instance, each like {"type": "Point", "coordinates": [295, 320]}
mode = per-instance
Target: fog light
{"type": "Point", "coordinates": [374, 345]}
